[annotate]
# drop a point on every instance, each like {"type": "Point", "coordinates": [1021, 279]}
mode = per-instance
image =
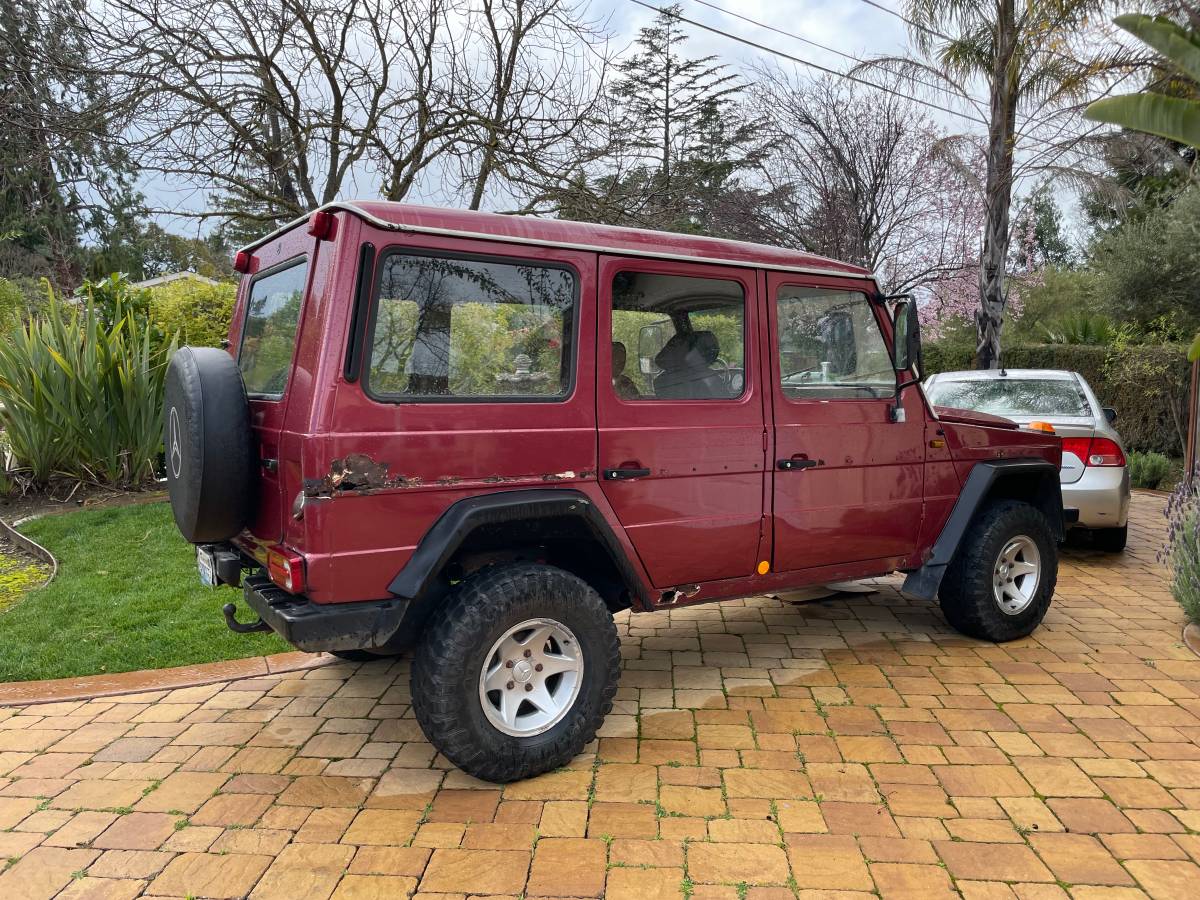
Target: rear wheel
{"type": "Point", "coordinates": [1110, 540]}
{"type": "Point", "coordinates": [999, 585]}
{"type": "Point", "coordinates": [515, 674]}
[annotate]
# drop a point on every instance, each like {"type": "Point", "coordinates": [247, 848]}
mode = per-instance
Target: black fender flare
{"type": "Point", "coordinates": [923, 583]}
{"type": "Point", "coordinates": [420, 574]}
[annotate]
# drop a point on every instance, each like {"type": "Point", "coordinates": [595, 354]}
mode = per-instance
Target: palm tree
{"type": "Point", "coordinates": [1171, 109]}
{"type": "Point", "coordinates": [1031, 55]}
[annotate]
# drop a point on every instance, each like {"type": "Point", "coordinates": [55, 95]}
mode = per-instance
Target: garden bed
{"type": "Point", "coordinates": [126, 597]}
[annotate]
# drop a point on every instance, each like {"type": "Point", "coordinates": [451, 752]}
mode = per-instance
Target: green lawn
{"type": "Point", "coordinates": [126, 597]}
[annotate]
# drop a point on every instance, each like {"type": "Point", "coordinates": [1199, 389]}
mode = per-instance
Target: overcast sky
{"type": "Point", "coordinates": [850, 26]}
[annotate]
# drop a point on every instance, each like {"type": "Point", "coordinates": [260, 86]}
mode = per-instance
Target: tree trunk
{"type": "Point", "coordinates": [993, 292]}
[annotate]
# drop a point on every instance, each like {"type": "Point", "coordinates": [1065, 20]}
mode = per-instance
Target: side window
{"type": "Point", "coordinates": [830, 346]}
{"type": "Point", "coordinates": [677, 338]}
{"type": "Point", "coordinates": [468, 329]}
{"type": "Point", "coordinates": [269, 334]}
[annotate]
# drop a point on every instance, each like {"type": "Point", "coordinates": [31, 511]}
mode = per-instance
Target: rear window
{"type": "Point", "coordinates": [1012, 396]}
{"type": "Point", "coordinates": [470, 329]}
{"type": "Point", "coordinates": [269, 334]}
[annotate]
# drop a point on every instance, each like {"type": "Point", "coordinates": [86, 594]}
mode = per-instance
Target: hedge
{"type": "Point", "coordinates": [1147, 384]}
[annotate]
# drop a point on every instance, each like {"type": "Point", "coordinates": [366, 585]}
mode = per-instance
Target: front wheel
{"type": "Point", "coordinates": [999, 585]}
{"type": "Point", "coordinates": [515, 674]}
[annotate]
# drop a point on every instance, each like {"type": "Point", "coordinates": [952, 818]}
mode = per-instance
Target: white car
{"type": "Point", "coordinates": [1093, 476]}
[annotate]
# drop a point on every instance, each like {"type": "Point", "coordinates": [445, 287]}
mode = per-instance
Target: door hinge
{"type": "Point", "coordinates": [765, 442]}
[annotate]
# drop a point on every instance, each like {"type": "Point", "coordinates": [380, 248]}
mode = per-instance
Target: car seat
{"type": "Point", "coordinates": [685, 362]}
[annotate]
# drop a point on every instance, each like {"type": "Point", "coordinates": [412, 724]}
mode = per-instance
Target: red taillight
{"type": "Point", "coordinates": [321, 225]}
{"type": "Point", "coordinates": [241, 262]}
{"type": "Point", "coordinates": [1095, 451]}
{"type": "Point", "coordinates": [286, 569]}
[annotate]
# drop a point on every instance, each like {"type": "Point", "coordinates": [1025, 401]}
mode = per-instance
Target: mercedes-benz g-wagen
{"type": "Point", "coordinates": [481, 435]}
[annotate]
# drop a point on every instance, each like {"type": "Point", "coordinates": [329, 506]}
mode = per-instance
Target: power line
{"type": "Point", "coordinates": [907, 21]}
{"type": "Point", "coordinates": [945, 37]}
{"type": "Point", "coordinates": [811, 65]}
{"type": "Point", "coordinates": [850, 56]}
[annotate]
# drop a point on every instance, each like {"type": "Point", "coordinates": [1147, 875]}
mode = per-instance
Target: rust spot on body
{"type": "Point", "coordinates": [359, 473]}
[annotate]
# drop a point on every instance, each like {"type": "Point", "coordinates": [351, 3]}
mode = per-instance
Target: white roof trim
{"type": "Point", "coordinates": [540, 242]}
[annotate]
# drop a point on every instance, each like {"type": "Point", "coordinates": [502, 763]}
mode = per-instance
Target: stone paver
{"type": "Point", "coordinates": [756, 749]}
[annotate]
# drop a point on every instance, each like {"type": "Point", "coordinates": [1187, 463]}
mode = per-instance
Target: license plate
{"type": "Point", "coordinates": [208, 570]}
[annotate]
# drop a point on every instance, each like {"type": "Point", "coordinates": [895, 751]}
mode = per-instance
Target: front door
{"type": "Point", "coordinates": [848, 480]}
{"type": "Point", "coordinates": [680, 414]}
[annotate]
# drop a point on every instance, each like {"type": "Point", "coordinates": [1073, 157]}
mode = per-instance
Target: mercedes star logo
{"type": "Point", "coordinates": [176, 452]}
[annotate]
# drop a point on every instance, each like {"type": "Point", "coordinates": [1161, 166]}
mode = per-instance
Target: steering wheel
{"type": "Point", "coordinates": [725, 372]}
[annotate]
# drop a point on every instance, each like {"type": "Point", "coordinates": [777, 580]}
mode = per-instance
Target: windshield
{"type": "Point", "coordinates": [1011, 396]}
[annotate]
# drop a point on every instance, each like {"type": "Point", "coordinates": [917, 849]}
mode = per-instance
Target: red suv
{"type": "Point", "coordinates": [482, 435]}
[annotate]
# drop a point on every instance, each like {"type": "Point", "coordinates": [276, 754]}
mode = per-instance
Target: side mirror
{"type": "Point", "coordinates": [906, 336]}
{"type": "Point", "coordinates": [1110, 414]}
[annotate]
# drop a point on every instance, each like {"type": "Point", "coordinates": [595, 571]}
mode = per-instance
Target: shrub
{"type": "Point", "coordinates": [12, 304]}
{"type": "Point", "coordinates": [1182, 551]}
{"type": "Point", "coordinates": [1081, 328]}
{"type": "Point", "coordinates": [82, 398]}
{"type": "Point", "coordinates": [1147, 470]}
{"type": "Point", "coordinates": [196, 312]}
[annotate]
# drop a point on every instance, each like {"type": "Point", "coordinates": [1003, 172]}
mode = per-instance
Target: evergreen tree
{"type": "Point", "coordinates": [60, 174]}
{"type": "Point", "coordinates": [681, 139]}
{"type": "Point", "coordinates": [1038, 239]}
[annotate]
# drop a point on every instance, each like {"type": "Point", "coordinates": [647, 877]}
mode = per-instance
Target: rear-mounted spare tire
{"type": "Point", "coordinates": [207, 444]}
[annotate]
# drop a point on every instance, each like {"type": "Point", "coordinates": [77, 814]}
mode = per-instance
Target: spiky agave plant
{"type": "Point", "coordinates": [82, 398]}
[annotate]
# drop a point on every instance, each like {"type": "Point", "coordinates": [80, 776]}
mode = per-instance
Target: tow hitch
{"type": "Point", "coordinates": [230, 611]}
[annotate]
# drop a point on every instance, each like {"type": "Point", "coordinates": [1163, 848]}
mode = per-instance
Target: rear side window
{"type": "Point", "coordinates": [677, 337]}
{"type": "Point", "coordinates": [1012, 396]}
{"type": "Point", "coordinates": [269, 334]}
{"type": "Point", "coordinates": [448, 328]}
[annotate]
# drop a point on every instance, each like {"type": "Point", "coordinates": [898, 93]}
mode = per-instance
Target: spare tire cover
{"type": "Point", "coordinates": [208, 445]}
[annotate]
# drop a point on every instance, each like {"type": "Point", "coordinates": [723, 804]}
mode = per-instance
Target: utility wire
{"type": "Point", "coordinates": [907, 21]}
{"type": "Point", "coordinates": [850, 56]}
{"type": "Point", "coordinates": [811, 65]}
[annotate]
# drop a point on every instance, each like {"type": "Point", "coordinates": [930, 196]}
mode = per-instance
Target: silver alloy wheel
{"type": "Point", "coordinates": [531, 677]}
{"type": "Point", "coordinates": [1017, 574]}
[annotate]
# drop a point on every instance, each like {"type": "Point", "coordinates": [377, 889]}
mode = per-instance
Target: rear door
{"type": "Point", "coordinates": [264, 337]}
{"type": "Point", "coordinates": [848, 481]}
{"type": "Point", "coordinates": [472, 381]}
{"type": "Point", "coordinates": [679, 409]}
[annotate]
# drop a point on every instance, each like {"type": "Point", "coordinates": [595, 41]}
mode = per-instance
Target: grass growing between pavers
{"type": "Point", "coordinates": [126, 597]}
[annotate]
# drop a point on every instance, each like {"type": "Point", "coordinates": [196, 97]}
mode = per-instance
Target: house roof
{"type": "Point", "coordinates": [174, 276]}
{"type": "Point", "coordinates": [407, 217]}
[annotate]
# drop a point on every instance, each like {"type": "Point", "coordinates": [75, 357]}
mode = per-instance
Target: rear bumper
{"type": "Point", "coordinates": [1101, 495]}
{"type": "Point", "coordinates": [368, 625]}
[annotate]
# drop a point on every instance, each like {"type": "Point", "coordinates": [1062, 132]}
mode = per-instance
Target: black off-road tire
{"type": "Point", "coordinates": [966, 594]}
{"type": "Point", "coordinates": [448, 661]}
{"type": "Point", "coordinates": [1110, 540]}
{"type": "Point", "coordinates": [211, 455]}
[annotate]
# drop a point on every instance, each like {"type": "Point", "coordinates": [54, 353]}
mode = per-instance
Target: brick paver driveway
{"type": "Point", "coordinates": [756, 750]}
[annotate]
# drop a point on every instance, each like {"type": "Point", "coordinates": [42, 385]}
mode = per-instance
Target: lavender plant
{"type": "Point", "coordinates": [1182, 550]}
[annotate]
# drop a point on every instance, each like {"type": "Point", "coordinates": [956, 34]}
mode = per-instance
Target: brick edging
{"type": "Point", "coordinates": [90, 687]}
{"type": "Point", "coordinates": [32, 547]}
